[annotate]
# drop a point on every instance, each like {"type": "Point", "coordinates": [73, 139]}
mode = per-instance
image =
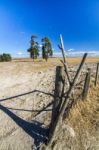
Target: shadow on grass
{"type": "Point", "coordinates": [33, 129]}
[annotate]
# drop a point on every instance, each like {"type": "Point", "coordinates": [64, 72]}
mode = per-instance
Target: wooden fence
{"type": "Point", "coordinates": [62, 99]}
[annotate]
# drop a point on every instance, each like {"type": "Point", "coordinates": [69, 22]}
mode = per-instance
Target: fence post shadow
{"type": "Point", "coordinates": [27, 93]}
{"type": "Point", "coordinates": [33, 129]}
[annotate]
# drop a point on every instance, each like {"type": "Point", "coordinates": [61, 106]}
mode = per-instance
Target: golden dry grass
{"type": "Point", "coordinates": [88, 60]}
{"type": "Point", "coordinates": [41, 64]}
{"type": "Point", "coordinates": [57, 60]}
{"type": "Point", "coordinates": [85, 114]}
{"type": "Point", "coordinates": [84, 120]}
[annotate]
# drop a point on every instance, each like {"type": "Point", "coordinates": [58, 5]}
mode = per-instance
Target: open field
{"type": "Point", "coordinates": [41, 65]}
{"type": "Point", "coordinates": [55, 61]}
{"type": "Point", "coordinates": [26, 87]}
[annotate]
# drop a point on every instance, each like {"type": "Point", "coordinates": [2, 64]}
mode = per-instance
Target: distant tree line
{"type": "Point", "coordinates": [5, 57]}
{"type": "Point", "coordinates": [46, 48]}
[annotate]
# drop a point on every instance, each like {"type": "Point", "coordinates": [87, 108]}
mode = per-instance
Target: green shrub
{"type": "Point", "coordinates": [5, 57]}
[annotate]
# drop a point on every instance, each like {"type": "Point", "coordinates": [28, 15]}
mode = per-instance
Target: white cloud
{"type": "Point", "coordinates": [57, 54]}
{"type": "Point", "coordinates": [74, 53]}
{"type": "Point", "coordinates": [71, 49]}
{"type": "Point", "coordinates": [19, 53]}
{"type": "Point", "coordinates": [80, 53]}
{"type": "Point", "coordinates": [40, 45]}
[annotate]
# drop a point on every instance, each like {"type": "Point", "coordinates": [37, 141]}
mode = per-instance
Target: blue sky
{"type": "Point", "coordinates": [76, 20]}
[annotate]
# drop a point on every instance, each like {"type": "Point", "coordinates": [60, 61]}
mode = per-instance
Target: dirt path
{"type": "Point", "coordinates": [17, 114]}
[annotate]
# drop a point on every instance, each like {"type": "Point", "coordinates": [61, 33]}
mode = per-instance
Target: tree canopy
{"type": "Point", "coordinates": [34, 48]}
{"type": "Point", "coordinates": [5, 57]}
{"type": "Point", "coordinates": [46, 48]}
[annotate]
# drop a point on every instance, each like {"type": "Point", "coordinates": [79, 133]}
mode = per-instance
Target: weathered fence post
{"type": "Point", "coordinates": [62, 48]}
{"type": "Point", "coordinates": [64, 59]}
{"type": "Point", "coordinates": [66, 102]}
{"type": "Point", "coordinates": [97, 73]}
{"type": "Point", "coordinates": [66, 71]}
{"type": "Point", "coordinates": [86, 84]}
{"type": "Point", "coordinates": [57, 94]}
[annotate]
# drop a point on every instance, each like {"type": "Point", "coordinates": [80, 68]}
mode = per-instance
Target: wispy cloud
{"type": "Point", "coordinates": [20, 53]}
{"type": "Point", "coordinates": [76, 53]}
{"type": "Point", "coordinates": [71, 49]}
{"type": "Point", "coordinates": [57, 54]}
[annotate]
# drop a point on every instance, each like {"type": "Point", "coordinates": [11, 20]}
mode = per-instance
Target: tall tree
{"type": "Point", "coordinates": [34, 48]}
{"type": "Point", "coordinates": [46, 48]}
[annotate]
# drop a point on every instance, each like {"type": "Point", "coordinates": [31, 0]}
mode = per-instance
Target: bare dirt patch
{"type": "Point", "coordinates": [21, 118]}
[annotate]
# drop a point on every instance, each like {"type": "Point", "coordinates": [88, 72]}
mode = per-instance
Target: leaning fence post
{"type": "Point", "coordinates": [64, 59]}
{"type": "Point", "coordinates": [62, 48]}
{"type": "Point", "coordinates": [86, 84]}
{"type": "Point", "coordinates": [97, 73]}
{"type": "Point", "coordinates": [66, 71]}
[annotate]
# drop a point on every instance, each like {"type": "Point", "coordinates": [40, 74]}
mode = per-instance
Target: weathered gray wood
{"type": "Point", "coordinates": [64, 58]}
{"type": "Point", "coordinates": [66, 102]}
{"type": "Point", "coordinates": [66, 71]}
{"type": "Point", "coordinates": [86, 85]}
{"type": "Point", "coordinates": [58, 93]}
{"type": "Point", "coordinates": [97, 74]}
{"type": "Point", "coordinates": [62, 48]}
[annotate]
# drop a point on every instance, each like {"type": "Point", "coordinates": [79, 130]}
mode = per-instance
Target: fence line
{"type": "Point", "coordinates": [62, 98]}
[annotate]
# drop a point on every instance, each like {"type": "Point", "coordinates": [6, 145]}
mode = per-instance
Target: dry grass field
{"type": "Point", "coordinates": [40, 64]}
{"type": "Point", "coordinates": [69, 59]}
{"type": "Point", "coordinates": [27, 88]}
